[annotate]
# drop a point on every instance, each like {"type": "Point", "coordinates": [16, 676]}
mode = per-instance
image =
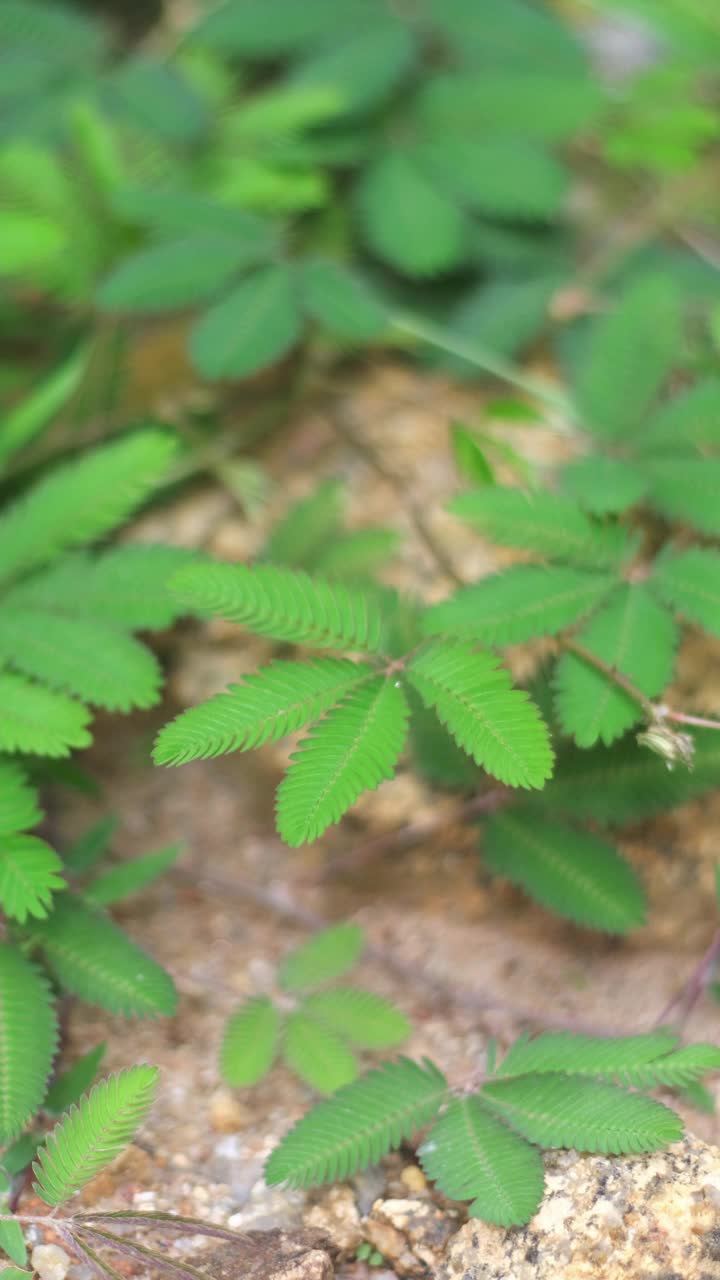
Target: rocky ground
{"type": "Point", "coordinates": [431, 905]}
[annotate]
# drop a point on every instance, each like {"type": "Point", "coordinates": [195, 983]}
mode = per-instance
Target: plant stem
{"type": "Point", "coordinates": [653, 711]}
{"type": "Point", "coordinates": [689, 994]}
{"type": "Point", "coordinates": [491, 363]}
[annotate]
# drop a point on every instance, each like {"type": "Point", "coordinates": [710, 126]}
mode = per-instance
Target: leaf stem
{"type": "Point", "coordinates": [692, 990]}
{"type": "Point", "coordinates": [655, 712]}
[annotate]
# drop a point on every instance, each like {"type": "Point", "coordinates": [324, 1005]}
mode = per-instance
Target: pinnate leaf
{"type": "Point", "coordinates": [574, 873]}
{"type": "Point", "coordinates": [686, 490]}
{"type": "Point", "coordinates": [29, 875]}
{"type": "Point", "coordinates": [28, 1037]}
{"type": "Point", "coordinates": [93, 1133]}
{"type": "Point", "coordinates": [472, 1155]}
{"type": "Point", "coordinates": [572, 1054]}
{"type": "Point", "coordinates": [278, 699]}
{"type": "Point", "coordinates": [495, 724]}
{"type": "Point", "coordinates": [325, 956]}
{"type": "Point", "coordinates": [633, 635]}
{"type": "Point", "coordinates": [352, 749]}
{"type": "Point", "coordinates": [358, 1125]}
{"type": "Point", "coordinates": [604, 485]}
{"type": "Point", "coordinates": [572, 1111]}
{"type": "Point", "coordinates": [690, 420]}
{"type": "Point", "coordinates": [250, 1042]}
{"type": "Point", "coordinates": [689, 581]}
{"type": "Point", "coordinates": [128, 878]}
{"type": "Point", "coordinates": [522, 602]}
{"type": "Point", "coordinates": [251, 328]}
{"type": "Point", "coordinates": [362, 1017]}
{"type": "Point", "coordinates": [69, 1086]}
{"type": "Point", "coordinates": [407, 220]}
{"type": "Point", "coordinates": [178, 273]}
{"type": "Point", "coordinates": [548, 524]}
{"type": "Point", "coordinates": [18, 799]}
{"type": "Point", "coordinates": [38, 721]}
{"type": "Point", "coordinates": [341, 302]}
{"type": "Point", "coordinates": [319, 1056]}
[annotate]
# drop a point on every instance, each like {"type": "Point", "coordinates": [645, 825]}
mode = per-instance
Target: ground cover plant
{"type": "Point", "coordinates": [459, 185]}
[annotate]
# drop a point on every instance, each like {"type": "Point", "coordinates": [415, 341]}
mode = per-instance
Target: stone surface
{"type": "Point", "coordinates": [50, 1261]}
{"type": "Point", "coordinates": [271, 1255]}
{"type": "Point", "coordinates": [411, 1234]}
{"type": "Point", "coordinates": [651, 1217]}
{"type": "Point", "coordinates": [336, 1213]}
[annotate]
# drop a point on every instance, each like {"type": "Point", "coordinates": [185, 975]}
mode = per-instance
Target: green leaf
{"type": "Point", "coordinates": [88, 659]}
{"type": "Point", "coordinates": [130, 877]}
{"type": "Point", "coordinates": [93, 1133]}
{"type": "Point", "coordinates": [633, 635]}
{"type": "Point", "coordinates": [472, 1155]}
{"type": "Point", "coordinates": [604, 485]}
{"type": "Point", "coordinates": [407, 220]}
{"type": "Point", "coordinates": [250, 29]}
{"type": "Point", "coordinates": [364, 67]}
{"type": "Point", "coordinates": [325, 956]}
{"type": "Point", "coordinates": [622, 783]}
{"type": "Point", "coordinates": [12, 1242]}
{"type": "Point", "coordinates": [363, 1018]}
{"type": "Point", "coordinates": [530, 103]}
{"type": "Point", "coordinates": [25, 420]}
{"type": "Point", "coordinates": [571, 872]}
{"type": "Point", "coordinates": [689, 582]}
{"type": "Point", "coordinates": [352, 749]}
{"type": "Point", "coordinates": [278, 699]}
{"type": "Point", "coordinates": [571, 1054]}
{"type": "Point", "coordinates": [179, 273]}
{"type": "Point", "coordinates": [500, 317]}
{"type": "Point", "coordinates": [28, 1039]}
{"type": "Point", "coordinates": [68, 1087]}
{"type": "Point", "coordinates": [470, 459]}
{"type": "Point", "coordinates": [518, 604]}
{"type": "Point", "coordinates": [18, 800]}
{"type": "Point", "coordinates": [155, 98]}
{"type": "Point", "coordinates": [495, 724]}
{"type": "Point", "coordinates": [567, 1111]}
{"type": "Point", "coordinates": [177, 212]}
{"type": "Point", "coordinates": [359, 1125]}
{"type": "Point", "coordinates": [630, 354]}
{"type": "Point", "coordinates": [17, 1156]}
{"type": "Point", "coordinates": [284, 604]}
{"type": "Point", "coordinates": [435, 753]}
{"type": "Point", "coordinates": [82, 500]}
{"type": "Point", "coordinates": [546, 523]}
{"type": "Point", "coordinates": [358, 554]}
{"type": "Point", "coordinates": [500, 177]}
{"type": "Point", "coordinates": [317, 1054]}
{"type": "Point", "coordinates": [29, 243]}
{"type": "Point", "coordinates": [251, 328]}
{"type": "Point", "coordinates": [90, 957]}
{"type": "Point", "coordinates": [677, 1070]}
{"type": "Point", "coordinates": [686, 490]}
{"type": "Point", "coordinates": [297, 539]}
{"type": "Point", "coordinates": [91, 846]}
{"type": "Point", "coordinates": [29, 875]}
{"type": "Point", "coordinates": [38, 722]}
{"type": "Point", "coordinates": [690, 420]}
{"type": "Point", "coordinates": [125, 587]}
{"type": "Point", "coordinates": [250, 1042]}
{"type": "Point", "coordinates": [341, 302]}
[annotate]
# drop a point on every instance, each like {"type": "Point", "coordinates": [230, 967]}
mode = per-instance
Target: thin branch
{"type": "Point", "coordinates": [655, 712]}
{"type": "Point", "coordinates": [692, 990]}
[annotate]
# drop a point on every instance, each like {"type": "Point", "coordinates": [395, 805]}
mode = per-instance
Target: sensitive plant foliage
{"type": "Point", "coordinates": [75, 943]}
{"type": "Point", "coordinates": [557, 1090]}
{"type": "Point", "coordinates": [316, 1026]}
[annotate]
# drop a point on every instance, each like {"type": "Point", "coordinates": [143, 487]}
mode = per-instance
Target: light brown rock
{"type": "Point", "coordinates": [411, 1234]}
{"type": "Point", "coordinates": [336, 1214]}
{"type": "Point", "coordinates": [603, 1218]}
{"type": "Point", "coordinates": [271, 1255]}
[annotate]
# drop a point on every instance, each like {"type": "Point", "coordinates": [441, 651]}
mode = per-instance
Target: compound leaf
{"type": "Point", "coordinates": [604, 486]}
{"type": "Point", "coordinates": [250, 1043]}
{"type": "Point", "coordinates": [278, 699]}
{"type": "Point", "coordinates": [630, 354]}
{"type": "Point", "coordinates": [352, 749]}
{"type": "Point", "coordinates": [472, 1155]}
{"type": "Point", "coordinates": [251, 29]}
{"type": "Point", "coordinates": [28, 1038]}
{"type": "Point", "coordinates": [574, 873]}
{"type": "Point", "coordinates": [689, 582]}
{"type": "Point", "coordinates": [572, 1111]}
{"type": "Point", "coordinates": [522, 602]}
{"type": "Point", "coordinates": [90, 957]}
{"type": "Point", "coordinates": [18, 800]}
{"type": "Point", "coordinates": [363, 1018]}
{"type": "Point", "coordinates": [306, 528]}
{"type": "Point", "coordinates": [546, 523]}
{"type": "Point", "coordinates": [319, 1056]}
{"type": "Point", "coordinates": [37, 721]}
{"type": "Point", "coordinates": [686, 490]}
{"type": "Point", "coordinates": [130, 877]}
{"type": "Point", "coordinates": [81, 500]}
{"type": "Point", "coordinates": [572, 1054]}
{"type": "Point", "coordinates": [631, 634]}
{"type": "Point", "coordinates": [284, 604]}
{"type": "Point", "coordinates": [364, 67]}
{"type": "Point", "coordinates": [690, 420]}
{"type": "Point", "coordinates": [30, 872]}
{"type": "Point", "coordinates": [358, 1125]}
{"type": "Point", "coordinates": [407, 220]}
{"type": "Point", "coordinates": [178, 273]}
{"type": "Point", "coordinates": [88, 659]}
{"type": "Point", "coordinates": [341, 302]}
{"type": "Point", "coordinates": [93, 1133]}
{"type": "Point", "coordinates": [252, 327]}
{"type": "Point", "coordinates": [325, 956]}
{"type": "Point", "coordinates": [495, 724]}
{"type": "Point", "coordinates": [500, 177]}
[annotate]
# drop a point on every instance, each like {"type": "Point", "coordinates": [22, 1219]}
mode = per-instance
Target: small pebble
{"type": "Point", "coordinates": [413, 1178]}
{"type": "Point", "coordinates": [50, 1261]}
